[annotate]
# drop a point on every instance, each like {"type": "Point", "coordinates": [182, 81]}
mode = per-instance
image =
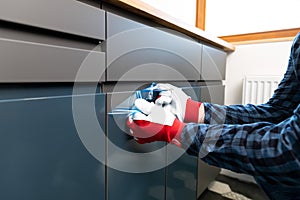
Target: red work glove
{"type": "Point", "coordinates": [154, 123]}
{"type": "Point", "coordinates": [179, 103]}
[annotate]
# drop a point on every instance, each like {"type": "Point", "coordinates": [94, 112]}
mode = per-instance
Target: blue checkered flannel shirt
{"type": "Point", "coordinates": [260, 140]}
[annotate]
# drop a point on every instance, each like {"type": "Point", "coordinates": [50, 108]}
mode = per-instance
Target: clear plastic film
{"type": "Point", "coordinates": [150, 94]}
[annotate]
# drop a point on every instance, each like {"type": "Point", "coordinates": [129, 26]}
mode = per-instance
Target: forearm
{"type": "Point", "coordinates": [243, 114]}
{"type": "Point", "coordinates": [250, 148]}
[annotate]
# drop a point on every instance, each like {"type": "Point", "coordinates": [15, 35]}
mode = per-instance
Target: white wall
{"type": "Point", "coordinates": [232, 17]}
{"type": "Point", "coordinates": [254, 59]}
{"type": "Point", "coordinates": [184, 11]}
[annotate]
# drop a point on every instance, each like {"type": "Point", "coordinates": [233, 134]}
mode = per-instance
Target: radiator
{"type": "Point", "coordinates": [259, 89]}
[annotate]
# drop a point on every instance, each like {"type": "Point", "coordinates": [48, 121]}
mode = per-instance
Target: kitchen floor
{"type": "Point", "coordinates": [227, 188]}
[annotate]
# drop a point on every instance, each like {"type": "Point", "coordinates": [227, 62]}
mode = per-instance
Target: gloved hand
{"type": "Point", "coordinates": [154, 123]}
{"type": "Point", "coordinates": [186, 109]}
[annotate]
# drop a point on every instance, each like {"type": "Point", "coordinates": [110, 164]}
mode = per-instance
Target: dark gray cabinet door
{"type": "Point", "coordinates": [208, 173]}
{"type": "Point", "coordinates": [60, 15]}
{"type": "Point", "coordinates": [183, 172]}
{"type": "Point", "coordinates": [213, 94]}
{"type": "Point", "coordinates": [187, 176]}
{"type": "Point", "coordinates": [136, 52]}
{"type": "Point", "coordinates": [181, 175]}
{"type": "Point", "coordinates": [129, 171]}
{"type": "Point", "coordinates": [42, 156]}
{"type": "Point", "coordinates": [213, 64]}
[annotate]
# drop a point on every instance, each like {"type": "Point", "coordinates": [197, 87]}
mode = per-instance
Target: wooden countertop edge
{"type": "Point", "coordinates": [145, 10]}
{"type": "Point", "coordinates": [266, 36]}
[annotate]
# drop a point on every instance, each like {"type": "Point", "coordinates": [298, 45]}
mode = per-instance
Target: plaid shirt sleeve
{"type": "Point", "coordinates": [261, 140]}
{"type": "Point", "coordinates": [281, 106]}
{"type": "Point", "coordinates": [265, 150]}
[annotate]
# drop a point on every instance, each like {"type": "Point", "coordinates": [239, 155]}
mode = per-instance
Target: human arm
{"type": "Point", "coordinates": [280, 106]}
{"type": "Point", "coordinates": [265, 150]}
{"type": "Point", "coordinates": [285, 99]}
{"type": "Point", "coordinates": [268, 151]}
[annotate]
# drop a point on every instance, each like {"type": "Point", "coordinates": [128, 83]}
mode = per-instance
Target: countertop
{"type": "Point", "coordinates": [153, 14]}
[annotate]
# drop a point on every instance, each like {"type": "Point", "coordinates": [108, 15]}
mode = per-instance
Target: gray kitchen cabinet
{"type": "Point", "coordinates": [42, 156]}
{"type": "Point", "coordinates": [182, 171]}
{"type": "Point", "coordinates": [213, 93]}
{"type": "Point", "coordinates": [182, 175]}
{"type": "Point", "coordinates": [208, 173]}
{"type": "Point", "coordinates": [213, 63]}
{"type": "Point", "coordinates": [67, 16]}
{"type": "Point", "coordinates": [129, 174]}
{"type": "Point", "coordinates": [23, 61]}
{"type": "Point", "coordinates": [187, 176]}
{"type": "Point", "coordinates": [136, 52]}
{"type": "Point", "coordinates": [43, 46]}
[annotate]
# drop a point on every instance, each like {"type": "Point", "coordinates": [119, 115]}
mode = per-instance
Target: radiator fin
{"type": "Point", "coordinates": [259, 89]}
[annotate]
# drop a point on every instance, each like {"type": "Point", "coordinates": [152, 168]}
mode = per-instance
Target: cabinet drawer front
{"type": "Point", "coordinates": [213, 94]}
{"type": "Point", "coordinates": [208, 173]}
{"type": "Point", "coordinates": [66, 16]}
{"type": "Point", "coordinates": [182, 173]}
{"type": "Point", "coordinates": [128, 161]}
{"type": "Point", "coordinates": [136, 52]}
{"type": "Point", "coordinates": [213, 64]}
{"type": "Point", "coordinates": [34, 62]}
